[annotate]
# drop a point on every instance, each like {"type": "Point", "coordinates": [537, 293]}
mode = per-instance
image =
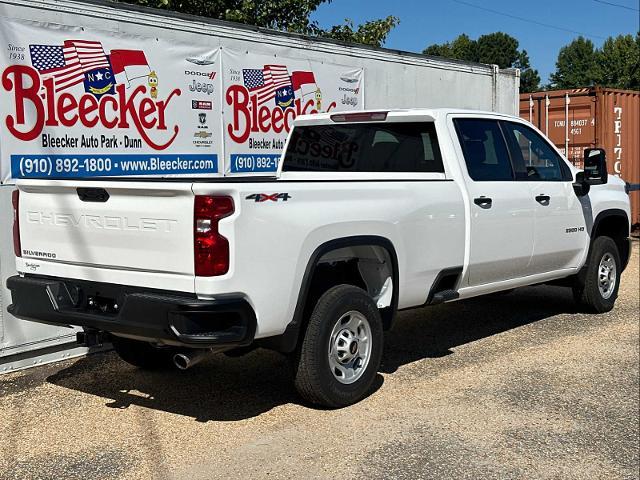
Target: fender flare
{"type": "Point", "coordinates": [608, 213]}
{"type": "Point", "coordinates": [288, 341]}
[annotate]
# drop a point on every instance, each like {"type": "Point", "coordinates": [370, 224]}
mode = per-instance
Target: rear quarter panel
{"type": "Point", "coordinates": [272, 241]}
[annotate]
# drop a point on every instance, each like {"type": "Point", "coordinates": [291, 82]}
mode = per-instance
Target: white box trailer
{"type": "Point", "coordinates": [93, 89]}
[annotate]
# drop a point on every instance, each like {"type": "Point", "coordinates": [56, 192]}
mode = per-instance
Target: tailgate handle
{"type": "Point", "coordinates": [92, 194]}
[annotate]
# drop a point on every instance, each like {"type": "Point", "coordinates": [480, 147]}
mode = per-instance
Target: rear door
{"type": "Point", "coordinates": [501, 211]}
{"type": "Point", "coordinates": [134, 226]}
{"type": "Point", "coordinates": [560, 226]}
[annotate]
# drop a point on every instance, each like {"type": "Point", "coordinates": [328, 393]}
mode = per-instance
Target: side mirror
{"type": "Point", "coordinates": [581, 186]}
{"type": "Point", "coordinates": [595, 166]}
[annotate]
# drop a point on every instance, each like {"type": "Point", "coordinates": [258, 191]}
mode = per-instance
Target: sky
{"type": "Point", "coordinates": [436, 21]}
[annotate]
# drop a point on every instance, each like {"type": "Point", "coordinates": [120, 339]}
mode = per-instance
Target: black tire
{"type": "Point", "coordinates": [314, 379]}
{"type": "Point", "coordinates": [143, 354]}
{"type": "Point", "coordinates": [587, 294]}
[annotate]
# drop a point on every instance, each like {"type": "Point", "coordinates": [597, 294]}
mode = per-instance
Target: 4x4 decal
{"type": "Point", "coordinates": [263, 197]}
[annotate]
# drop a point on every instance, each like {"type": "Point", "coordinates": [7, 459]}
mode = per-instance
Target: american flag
{"type": "Point", "coordinates": [265, 82]}
{"type": "Point", "coordinates": [68, 63]}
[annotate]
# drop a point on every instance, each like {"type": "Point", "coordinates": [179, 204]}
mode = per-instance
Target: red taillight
{"type": "Point", "coordinates": [210, 249]}
{"type": "Point", "coordinates": [15, 200]}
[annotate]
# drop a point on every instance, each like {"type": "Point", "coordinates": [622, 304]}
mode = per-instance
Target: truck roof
{"type": "Point", "coordinates": [422, 114]}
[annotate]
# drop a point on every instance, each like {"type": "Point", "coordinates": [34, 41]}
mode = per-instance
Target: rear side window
{"type": "Point", "coordinates": [364, 147]}
{"type": "Point", "coordinates": [529, 150]}
{"type": "Point", "coordinates": [484, 148]}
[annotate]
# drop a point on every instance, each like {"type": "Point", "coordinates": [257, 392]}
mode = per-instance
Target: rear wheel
{"type": "Point", "coordinates": [143, 354]}
{"type": "Point", "coordinates": [600, 288]}
{"type": "Point", "coordinates": [342, 348]}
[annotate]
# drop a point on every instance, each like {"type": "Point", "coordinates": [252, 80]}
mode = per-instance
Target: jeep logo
{"type": "Point", "coordinates": [201, 87]}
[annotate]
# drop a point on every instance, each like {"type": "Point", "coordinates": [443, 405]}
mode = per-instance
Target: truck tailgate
{"type": "Point", "coordinates": [141, 226]}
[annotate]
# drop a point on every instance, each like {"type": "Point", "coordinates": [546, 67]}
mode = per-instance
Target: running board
{"type": "Point", "coordinates": [444, 296]}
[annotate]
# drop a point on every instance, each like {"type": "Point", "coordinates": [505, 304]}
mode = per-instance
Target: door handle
{"type": "Point", "coordinates": [543, 199]}
{"type": "Point", "coordinates": [483, 202]}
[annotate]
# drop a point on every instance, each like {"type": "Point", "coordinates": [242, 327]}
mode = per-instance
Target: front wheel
{"type": "Point", "coordinates": [342, 348]}
{"type": "Point", "coordinates": [600, 289]}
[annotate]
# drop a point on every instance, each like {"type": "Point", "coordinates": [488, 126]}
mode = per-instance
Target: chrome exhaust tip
{"type": "Point", "coordinates": [183, 360]}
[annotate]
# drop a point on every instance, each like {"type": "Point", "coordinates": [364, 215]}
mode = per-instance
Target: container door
{"type": "Point", "coordinates": [560, 227]}
{"type": "Point", "coordinates": [501, 212]}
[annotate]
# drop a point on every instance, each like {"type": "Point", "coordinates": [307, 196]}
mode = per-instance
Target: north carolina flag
{"type": "Point", "coordinates": [127, 65]}
{"type": "Point", "coordinates": [304, 81]}
{"type": "Point", "coordinates": [67, 64]}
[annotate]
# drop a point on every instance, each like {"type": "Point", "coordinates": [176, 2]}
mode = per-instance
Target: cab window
{"type": "Point", "coordinates": [485, 151]}
{"type": "Point", "coordinates": [534, 158]}
{"type": "Point", "coordinates": [364, 147]}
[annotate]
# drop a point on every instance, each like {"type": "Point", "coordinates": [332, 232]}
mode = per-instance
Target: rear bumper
{"type": "Point", "coordinates": [166, 317]}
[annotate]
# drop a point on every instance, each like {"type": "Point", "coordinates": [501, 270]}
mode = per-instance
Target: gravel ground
{"type": "Point", "coordinates": [513, 386]}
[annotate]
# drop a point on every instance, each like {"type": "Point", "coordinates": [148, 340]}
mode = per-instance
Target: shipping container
{"type": "Point", "coordinates": [202, 59]}
{"type": "Point", "coordinates": [592, 117]}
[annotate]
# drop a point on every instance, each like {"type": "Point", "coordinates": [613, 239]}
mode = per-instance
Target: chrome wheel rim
{"type": "Point", "coordinates": [607, 275]}
{"type": "Point", "coordinates": [350, 347]}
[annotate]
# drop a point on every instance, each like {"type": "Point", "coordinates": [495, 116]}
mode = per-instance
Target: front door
{"type": "Point", "coordinates": [560, 233]}
{"type": "Point", "coordinates": [501, 211]}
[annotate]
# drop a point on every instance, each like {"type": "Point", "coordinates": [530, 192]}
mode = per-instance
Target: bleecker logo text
{"type": "Point", "coordinates": [54, 109]}
{"type": "Point", "coordinates": [249, 116]}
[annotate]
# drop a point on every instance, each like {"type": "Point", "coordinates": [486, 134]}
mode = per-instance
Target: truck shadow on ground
{"type": "Point", "coordinates": [432, 332]}
{"type": "Point", "coordinates": [231, 389]}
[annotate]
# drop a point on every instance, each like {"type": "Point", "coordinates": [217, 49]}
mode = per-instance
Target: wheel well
{"type": "Point", "coordinates": [368, 262]}
{"type": "Point", "coordinates": [365, 266]}
{"type": "Point", "coordinates": [616, 226]}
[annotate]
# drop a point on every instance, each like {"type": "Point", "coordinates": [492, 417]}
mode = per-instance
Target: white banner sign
{"type": "Point", "coordinates": [76, 102]}
{"type": "Point", "coordinates": [262, 96]}
{"type": "Point", "coordinates": [80, 103]}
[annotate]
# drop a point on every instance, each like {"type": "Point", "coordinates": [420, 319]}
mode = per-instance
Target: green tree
{"type": "Point", "coordinates": [529, 77]}
{"type": "Point", "coordinates": [373, 32]}
{"type": "Point", "coordinates": [494, 48]}
{"type": "Point", "coordinates": [286, 15]}
{"type": "Point", "coordinates": [498, 48]}
{"type": "Point", "coordinates": [461, 48]}
{"type": "Point", "coordinates": [464, 48]}
{"type": "Point", "coordinates": [618, 62]}
{"type": "Point", "coordinates": [577, 65]}
{"type": "Point", "coordinates": [441, 50]}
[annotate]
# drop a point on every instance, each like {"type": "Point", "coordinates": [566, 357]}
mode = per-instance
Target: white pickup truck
{"type": "Point", "coordinates": [368, 214]}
